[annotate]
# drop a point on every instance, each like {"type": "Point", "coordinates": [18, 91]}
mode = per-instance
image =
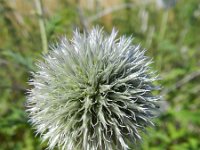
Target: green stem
{"type": "Point", "coordinates": [163, 25]}
{"type": "Point", "coordinates": [39, 9]}
{"type": "Point", "coordinates": [163, 28]}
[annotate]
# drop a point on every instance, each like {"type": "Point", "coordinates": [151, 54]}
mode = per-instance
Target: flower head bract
{"type": "Point", "coordinates": [93, 92]}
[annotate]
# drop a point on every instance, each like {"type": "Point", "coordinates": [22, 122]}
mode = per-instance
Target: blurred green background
{"type": "Point", "coordinates": [168, 29]}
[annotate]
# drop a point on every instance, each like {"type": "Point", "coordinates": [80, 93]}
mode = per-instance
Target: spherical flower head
{"type": "Point", "coordinates": [93, 92]}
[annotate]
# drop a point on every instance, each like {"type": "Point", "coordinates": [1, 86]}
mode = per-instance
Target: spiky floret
{"type": "Point", "coordinates": [93, 92]}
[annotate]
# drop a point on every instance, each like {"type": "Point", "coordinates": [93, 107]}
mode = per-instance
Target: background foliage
{"type": "Point", "coordinates": [169, 32]}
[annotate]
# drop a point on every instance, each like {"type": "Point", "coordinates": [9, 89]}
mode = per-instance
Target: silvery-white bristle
{"type": "Point", "coordinates": [93, 92]}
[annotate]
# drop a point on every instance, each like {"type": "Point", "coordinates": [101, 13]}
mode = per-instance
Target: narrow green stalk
{"type": "Point", "coordinates": [163, 25]}
{"type": "Point", "coordinates": [163, 28]}
{"type": "Point", "coordinates": [39, 10]}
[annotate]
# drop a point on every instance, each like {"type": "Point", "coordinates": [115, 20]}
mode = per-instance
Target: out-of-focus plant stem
{"type": "Point", "coordinates": [163, 25]}
{"type": "Point", "coordinates": [161, 35]}
{"type": "Point", "coordinates": [82, 18]}
{"type": "Point", "coordinates": [39, 10]}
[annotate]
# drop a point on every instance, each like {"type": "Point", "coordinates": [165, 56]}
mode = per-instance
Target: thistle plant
{"type": "Point", "coordinates": [93, 92]}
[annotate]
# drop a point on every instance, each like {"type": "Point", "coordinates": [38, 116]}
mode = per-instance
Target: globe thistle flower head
{"type": "Point", "coordinates": [93, 92]}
